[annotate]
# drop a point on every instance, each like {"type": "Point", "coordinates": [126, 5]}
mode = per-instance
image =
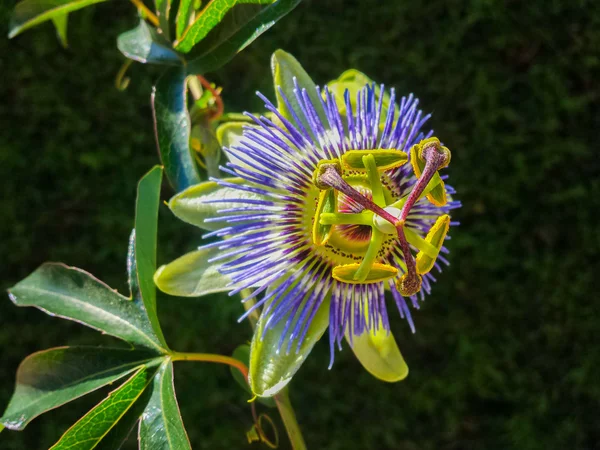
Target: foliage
{"type": "Point", "coordinates": [512, 86]}
{"type": "Point", "coordinates": [52, 378]}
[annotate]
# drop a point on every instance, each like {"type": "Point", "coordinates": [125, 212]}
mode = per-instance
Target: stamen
{"type": "Point", "coordinates": [328, 175]}
{"type": "Point", "coordinates": [435, 157]}
{"type": "Point", "coordinates": [410, 283]}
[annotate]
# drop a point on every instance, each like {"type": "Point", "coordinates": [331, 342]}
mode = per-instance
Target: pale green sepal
{"type": "Point", "coordinates": [230, 134]}
{"type": "Point", "coordinates": [270, 370]}
{"type": "Point", "coordinates": [354, 81]}
{"type": "Point", "coordinates": [285, 67]}
{"type": "Point", "coordinates": [242, 353]}
{"type": "Point", "coordinates": [379, 354]}
{"type": "Point", "coordinates": [191, 275]}
{"type": "Point", "coordinates": [191, 205]}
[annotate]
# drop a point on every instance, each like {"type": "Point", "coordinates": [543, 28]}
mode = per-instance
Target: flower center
{"type": "Point", "coordinates": [353, 212]}
{"type": "Point", "coordinates": [347, 205]}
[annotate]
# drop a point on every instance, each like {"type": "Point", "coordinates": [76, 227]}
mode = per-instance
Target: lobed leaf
{"type": "Point", "coordinates": [51, 378]}
{"type": "Point", "coordinates": [191, 275]}
{"type": "Point", "coordinates": [238, 36]}
{"type": "Point", "coordinates": [30, 13]}
{"type": "Point", "coordinates": [146, 219]}
{"type": "Point", "coordinates": [172, 126]}
{"type": "Point", "coordinates": [97, 423]}
{"type": "Point", "coordinates": [144, 44]}
{"type": "Point", "coordinates": [195, 204]}
{"type": "Point", "coordinates": [161, 425]}
{"type": "Point", "coordinates": [73, 294]}
{"type": "Point", "coordinates": [271, 369]}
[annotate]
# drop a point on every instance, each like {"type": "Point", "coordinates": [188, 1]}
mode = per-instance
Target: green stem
{"type": "Point", "coordinates": [286, 411]}
{"type": "Point", "coordinates": [210, 357]}
{"type": "Point", "coordinates": [144, 9]}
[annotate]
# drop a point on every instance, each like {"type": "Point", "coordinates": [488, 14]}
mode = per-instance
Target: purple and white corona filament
{"type": "Point", "coordinates": [334, 210]}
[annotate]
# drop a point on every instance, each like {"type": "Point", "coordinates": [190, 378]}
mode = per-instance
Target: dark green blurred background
{"type": "Point", "coordinates": [507, 349]}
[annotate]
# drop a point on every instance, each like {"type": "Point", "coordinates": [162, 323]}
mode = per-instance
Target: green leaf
{"type": "Point", "coordinates": [134, 287]}
{"type": "Point", "coordinates": [207, 19]}
{"type": "Point", "coordinates": [163, 12]}
{"type": "Point", "coordinates": [191, 275]}
{"type": "Point", "coordinates": [161, 426]}
{"type": "Point", "coordinates": [242, 353]}
{"type": "Point", "coordinates": [379, 354]}
{"type": "Point", "coordinates": [91, 428]}
{"type": "Point", "coordinates": [73, 294]}
{"type": "Point", "coordinates": [285, 68]}
{"type": "Point", "coordinates": [270, 369]}
{"type": "Point", "coordinates": [118, 434]}
{"type": "Point", "coordinates": [192, 205]}
{"type": "Point", "coordinates": [144, 44]}
{"type": "Point", "coordinates": [173, 126]}
{"type": "Point", "coordinates": [30, 13]}
{"type": "Point", "coordinates": [227, 45]}
{"type": "Point", "coordinates": [146, 219]}
{"type": "Point", "coordinates": [60, 23]}
{"type": "Point", "coordinates": [186, 7]}
{"type": "Point", "coordinates": [51, 378]}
